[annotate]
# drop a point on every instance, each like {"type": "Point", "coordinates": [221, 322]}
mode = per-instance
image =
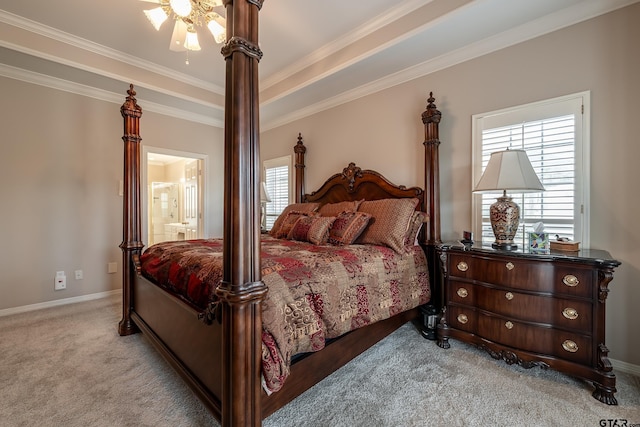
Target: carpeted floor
{"type": "Point", "coordinates": [67, 366]}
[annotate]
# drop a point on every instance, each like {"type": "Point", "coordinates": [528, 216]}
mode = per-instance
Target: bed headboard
{"type": "Point", "coordinates": [354, 183]}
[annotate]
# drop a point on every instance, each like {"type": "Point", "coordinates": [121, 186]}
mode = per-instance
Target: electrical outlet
{"type": "Point", "coordinates": [112, 267]}
{"type": "Point", "coordinates": [60, 281]}
{"type": "Point", "coordinates": [79, 275]}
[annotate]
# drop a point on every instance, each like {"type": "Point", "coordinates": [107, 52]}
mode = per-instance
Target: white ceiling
{"type": "Point", "coordinates": [317, 54]}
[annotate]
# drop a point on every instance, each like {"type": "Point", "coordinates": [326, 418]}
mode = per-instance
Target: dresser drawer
{"type": "Point", "coordinates": [570, 346]}
{"type": "Point", "coordinates": [565, 345]}
{"type": "Point", "coordinates": [532, 275]}
{"type": "Point", "coordinates": [463, 318]}
{"type": "Point", "coordinates": [564, 313]}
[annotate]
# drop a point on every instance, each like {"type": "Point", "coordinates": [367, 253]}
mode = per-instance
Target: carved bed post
{"type": "Point", "coordinates": [131, 223]}
{"type": "Point", "coordinates": [299, 149]}
{"type": "Point", "coordinates": [431, 120]}
{"type": "Point", "coordinates": [241, 291]}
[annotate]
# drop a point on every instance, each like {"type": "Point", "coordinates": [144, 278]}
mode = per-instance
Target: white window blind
{"type": "Point", "coordinates": [552, 134]}
{"type": "Point", "coordinates": [277, 178]}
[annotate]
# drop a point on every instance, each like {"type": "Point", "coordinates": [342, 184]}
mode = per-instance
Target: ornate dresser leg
{"type": "Point", "coordinates": [605, 394]}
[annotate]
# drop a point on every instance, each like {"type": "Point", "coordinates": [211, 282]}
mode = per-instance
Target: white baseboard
{"type": "Point", "coordinates": [625, 367]}
{"type": "Point", "coordinates": [55, 303]}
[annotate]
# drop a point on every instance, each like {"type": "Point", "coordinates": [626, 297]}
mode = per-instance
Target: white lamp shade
{"type": "Point", "coordinates": [264, 194]}
{"type": "Point", "coordinates": [216, 25]}
{"type": "Point", "coordinates": [191, 43]}
{"type": "Point", "coordinates": [181, 8]}
{"type": "Point", "coordinates": [156, 16]}
{"type": "Point", "coordinates": [509, 170]}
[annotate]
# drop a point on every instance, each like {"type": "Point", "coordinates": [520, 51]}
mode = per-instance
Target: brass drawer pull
{"type": "Point", "coordinates": [510, 266]}
{"type": "Point", "coordinates": [570, 346]}
{"type": "Point", "coordinates": [570, 313]}
{"type": "Point", "coordinates": [462, 292]}
{"type": "Point", "coordinates": [570, 280]}
{"type": "Point", "coordinates": [508, 296]}
{"type": "Point", "coordinates": [463, 266]}
{"type": "Point", "coordinates": [508, 325]}
{"type": "Point", "coordinates": [462, 318]}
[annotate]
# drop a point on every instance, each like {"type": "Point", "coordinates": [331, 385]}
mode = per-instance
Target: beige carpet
{"type": "Point", "coordinates": [67, 366]}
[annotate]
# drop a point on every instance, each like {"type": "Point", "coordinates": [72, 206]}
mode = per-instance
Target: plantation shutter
{"type": "Point", "coordinates": [277, 177]}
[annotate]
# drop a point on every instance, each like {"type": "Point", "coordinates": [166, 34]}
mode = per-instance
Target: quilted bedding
{"type": "Point", "coordinates": [316, 292]}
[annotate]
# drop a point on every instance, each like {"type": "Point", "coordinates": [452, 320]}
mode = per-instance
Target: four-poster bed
{"type": "Point", "coordinates": [218, 347]}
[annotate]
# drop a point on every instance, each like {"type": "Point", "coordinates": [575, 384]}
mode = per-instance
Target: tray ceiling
{"type": "Point", "coordinates": [316, 54]}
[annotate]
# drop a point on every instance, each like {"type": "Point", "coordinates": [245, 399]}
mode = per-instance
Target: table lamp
{"type": "Point", "coordinates": [264, 199]}
{"type": "Point", "coordinates": [507, 170]}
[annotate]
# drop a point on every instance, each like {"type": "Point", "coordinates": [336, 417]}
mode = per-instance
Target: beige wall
{"type": "Point", "coordinates": [156, 173]}
{"type": "Point", "coordinates": [384, 132]}
{"type": "Point", "coordinates": [60, 168]}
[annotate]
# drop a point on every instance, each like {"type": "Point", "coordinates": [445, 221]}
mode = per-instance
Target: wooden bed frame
{"type": "Point", "coordinates": [218, 353]}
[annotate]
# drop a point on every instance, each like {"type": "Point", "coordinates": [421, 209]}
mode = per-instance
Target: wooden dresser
{"type": "Point", "coordinates": [545, 310]}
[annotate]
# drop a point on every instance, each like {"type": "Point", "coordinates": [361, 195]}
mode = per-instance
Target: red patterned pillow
{"type": "Point", "coordinates": [299, 207]}
{"type": "Point", "coordinates": [334, 209]}
{"type": "Point", "coordinates": [289, 221]}
{"type": "Point", "coordinates": [312, 229]}
{"type": "Point", "coordinates": [389, 222]}
{"type": "Point", "coordinates": [347, 227]}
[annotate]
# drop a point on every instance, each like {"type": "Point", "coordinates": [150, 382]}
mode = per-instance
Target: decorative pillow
{"type": "Point", "coordinates": [334, 209]}
{"type": "Point", "coordinates": [389, 222]}
{"type": "Point", "coordinates": [312, 229]}
{"type": "Point", "coordinates": [289, 221]}
{"type": "Point", "coordinates": [347, 227]}
{"type": "Point", "coordinates": [415, 224]}
{"type": "Point", "coordinates": [299, 207]}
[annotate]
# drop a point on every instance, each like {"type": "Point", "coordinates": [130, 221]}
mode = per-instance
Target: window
{"type": "Point", "coordinates": [554, 133]}
{"type": "Point", "coordinates": [277, 176]}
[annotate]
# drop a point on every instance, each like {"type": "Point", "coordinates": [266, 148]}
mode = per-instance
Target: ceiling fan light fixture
{"type": "Point", "coordinates": [179, 36]}
{"type": "Point", "coordinates": [216, 25]}
{"type": "Point", "coordinates": [182, 8]}
{"type": "Point", "coordinates": [188, 15]}
{"type": "Point", "coordinates": [191, 42]}
{"type": "Point", "coordinates": [156, 16]}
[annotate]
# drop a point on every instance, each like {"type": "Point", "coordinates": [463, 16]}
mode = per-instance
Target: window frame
{"type": "Point", "coordinates": [275, 163]}
{"type": "Point", "coordinates": [577, 103]}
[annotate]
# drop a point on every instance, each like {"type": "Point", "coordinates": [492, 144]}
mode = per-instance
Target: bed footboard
{"type": "Point", "coordinates": [190, 346]}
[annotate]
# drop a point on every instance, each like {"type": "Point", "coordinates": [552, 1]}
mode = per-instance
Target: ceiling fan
{"type": "Point", "coordinates": [188, 14]}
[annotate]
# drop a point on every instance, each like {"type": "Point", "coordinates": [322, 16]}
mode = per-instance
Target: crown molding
{"type": "Point", "coordinates": [89, 46]}
{"type": "Point", "coordinates": [574, 14]}
{"type": "Point", "coordinates": [553, 22]}
{"type": "Point", "coordinates": [353, 36]}
{"type": "Point", "coordinates": [102, 95]}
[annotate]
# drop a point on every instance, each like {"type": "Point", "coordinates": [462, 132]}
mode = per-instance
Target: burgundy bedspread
{"type": "Point", "coordinates": [316, 292]}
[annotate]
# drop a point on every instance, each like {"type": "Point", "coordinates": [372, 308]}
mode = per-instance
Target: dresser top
{"type": "Point", "coordinates": [591, 256]}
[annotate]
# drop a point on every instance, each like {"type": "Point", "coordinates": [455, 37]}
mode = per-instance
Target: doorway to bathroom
{"type": "Point", "coordinates": [175, 202]}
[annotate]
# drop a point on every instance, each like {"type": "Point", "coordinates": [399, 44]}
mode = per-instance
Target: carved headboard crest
{"type": "Point", "coordinates": [350, 173]}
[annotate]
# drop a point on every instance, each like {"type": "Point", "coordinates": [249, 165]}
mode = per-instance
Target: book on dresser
{"type": "Point", "coordinates": [536, 310]}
